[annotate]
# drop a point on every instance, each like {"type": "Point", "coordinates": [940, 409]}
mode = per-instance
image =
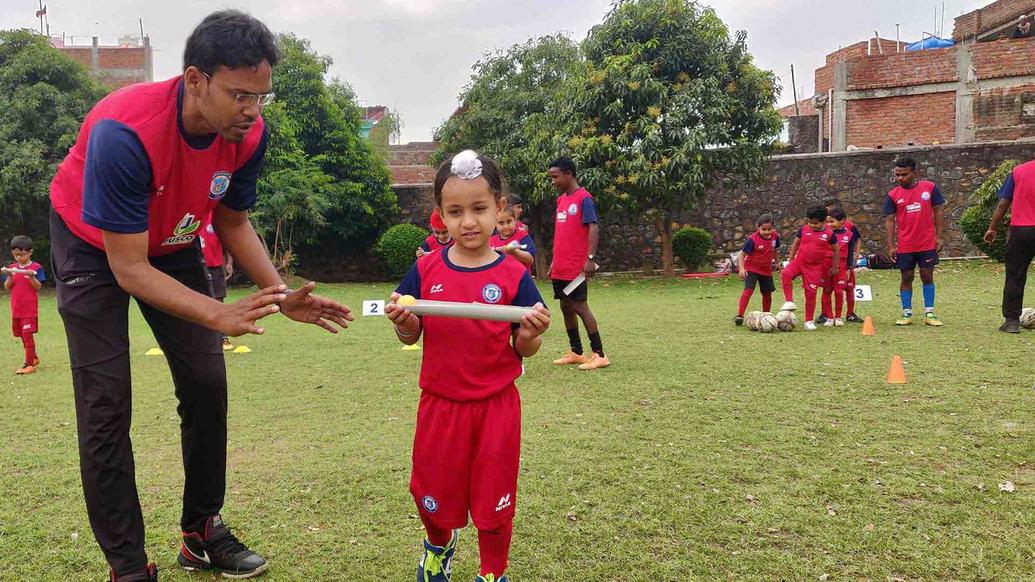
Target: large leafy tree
{"type": "Point", "coordinates": [670, 104]}
{"type": "Point", "coordinates": [44, 96]}
{"type": "Point", "coordinates": [508, 111]}
{"type": "Point", "coordinates": [325, 192]}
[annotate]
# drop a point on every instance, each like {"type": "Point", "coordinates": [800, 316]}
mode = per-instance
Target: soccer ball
{"type": "Point", "coordinates": [1028, 318]}
{"type": "Point", "coordinates": [767, 323]}
{"type": "Point", "coordinates": [785, 320]}
{"type": "Point", "coordinates": [751, 321]}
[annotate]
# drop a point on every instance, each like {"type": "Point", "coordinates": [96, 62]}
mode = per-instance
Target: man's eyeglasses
{"type": "Point", "coordinates": [249, 99]}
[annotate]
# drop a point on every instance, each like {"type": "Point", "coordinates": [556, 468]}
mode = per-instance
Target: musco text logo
{"type": "Point", "coordinates": [184, 232]}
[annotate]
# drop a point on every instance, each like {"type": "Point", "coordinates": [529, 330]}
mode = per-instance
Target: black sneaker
{"type": "Point", "coordinates": [821, 319]}
{"type": "Point", "coordinates": [217, 549]}
{"type": "Point", "coordinates": [738, 320]}
{"type": "Point", "coordinates": [148, 574]}
{"type": "Point", "coordinates": [1011, 326]}
{"type": "Point", "coordinates": [853, 318]}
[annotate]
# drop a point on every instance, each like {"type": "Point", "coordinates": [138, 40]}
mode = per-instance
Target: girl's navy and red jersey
{"type": "Point", "coordinates": [759, 253]}
{"type": "Point", "coordinates": [134, 169]}
{"type": "Point", "coordinates": [432, 244]}
{"type": "Point", "coordinates": [467, 359]}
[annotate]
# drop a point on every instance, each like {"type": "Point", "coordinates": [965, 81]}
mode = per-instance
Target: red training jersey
{"type": "Point", "coordinates": [25, 299]}
{"type": "Point", "coordinates": [816, 246]}
{"type": "Point", "coordinates": [432, 244]}
{"type": "Point", "coordinates": [468, 359]}
{"type": "Point", "coordinates": [914, 215]}
{"type": "Point", "coordinates": [571, 235]}
{"type": "Point", "coordinates": [185, 184]}
{"type": "Point", "coordinates": [1022, 210]}
{"type": "Point", "coordinates": [759, 253]}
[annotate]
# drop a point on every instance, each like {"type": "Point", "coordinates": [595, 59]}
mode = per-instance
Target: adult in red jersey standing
{"type": "Point", "coordinates": [1017, 192]}
{"type": "Point", "coordinates": [150, 162]}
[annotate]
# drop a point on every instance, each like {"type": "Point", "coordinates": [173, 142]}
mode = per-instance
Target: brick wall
{"type": "Point", "coordinates": [1002, 114]}
{"type": "Point", "coordinates": [803, 134]}
{"type": "Point", "coordinates": [1003, 58]}
{"type": "Point", "coordinates": [121, 58]}
{"type": "Point", "coordinates": [903, 69]}
{"type": "Point", "coordinates": [83, 56]}
{"type": "Point", "coordinates": [896, 121]}
{"type": "Point", "coordinates": [989, 17]}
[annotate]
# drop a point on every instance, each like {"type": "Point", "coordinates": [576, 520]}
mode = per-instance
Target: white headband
{"type": "Point", "coordinates": [466, 165]}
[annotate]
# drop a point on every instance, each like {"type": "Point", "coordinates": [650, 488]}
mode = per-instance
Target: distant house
{"type": "Point", "coordinates": [126, 62]}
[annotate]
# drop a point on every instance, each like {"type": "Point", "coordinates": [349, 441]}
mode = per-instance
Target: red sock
{"type": "Point", "coordinates": [30, 347]}
{"type": "Point", "coordinates": [767, 302]}
{"type": "Point", "coordinates": [850, 300]}
{"type": "Point", "coordinates": [494, 548]}
{"type": "Point", "coordinates": [839, 302]}
{"type": "Point", "coordinates": [828, 309]}
{"type": "Point", "coordinates": [787, 280]}
{"type": "Point", "coordinates": [437, 536]}
{"type": "Point", "coordinates": [745, 298]}
{"type": "Point", "coordinates": [810, 304]}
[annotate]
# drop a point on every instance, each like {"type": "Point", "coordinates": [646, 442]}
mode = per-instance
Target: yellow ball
{"type": "Point", "coordinates": [406, 300]}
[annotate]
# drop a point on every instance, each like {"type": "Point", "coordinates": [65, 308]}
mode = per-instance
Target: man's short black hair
{"type": "Point", "coordinates": [564, 164]}
{"type": "Point", "coordinates": [21, 243]}
{"type": "Point", "coordinates": [232, 39]}
{"type": "Point", "coordinates": [817, 213]}
{"type": "Point", "coordinates": [906, 163]}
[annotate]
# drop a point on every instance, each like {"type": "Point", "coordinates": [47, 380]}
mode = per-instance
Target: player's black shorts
{"type": "Point", "coordinates": [922, 259]}
{"type": "Point", "coordinates": [581, 293]}
{"type": "Point", "coordinates": [765, 283]}
{"type": "Point", "coordinates": [218, 278]}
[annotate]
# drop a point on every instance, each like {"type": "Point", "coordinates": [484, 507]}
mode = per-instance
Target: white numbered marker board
{"type": "Point", "coordinates": [863, 293]}
{"type": "Point", "coordinates": [373, 308]}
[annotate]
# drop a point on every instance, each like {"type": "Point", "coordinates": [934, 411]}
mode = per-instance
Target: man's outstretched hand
{"type": "Point", "coordinates": [301, 305]}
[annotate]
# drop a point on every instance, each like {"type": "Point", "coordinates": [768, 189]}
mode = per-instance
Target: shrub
{"type": "Point", "coordinates": [397, 246]}
{"type": "Point", "coordinates": [692, 245]}
{"type": "Point", "coordinates": [974, 221]}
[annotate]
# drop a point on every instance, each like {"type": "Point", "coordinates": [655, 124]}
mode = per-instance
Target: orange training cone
{"type": "Point", "coordinates": [896, 374]}
{"type": "Point", "coordinates": [868, 328]}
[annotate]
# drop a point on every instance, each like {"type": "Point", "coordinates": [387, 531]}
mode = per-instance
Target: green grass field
{"type": "Point", "coordinates": [706, 452]}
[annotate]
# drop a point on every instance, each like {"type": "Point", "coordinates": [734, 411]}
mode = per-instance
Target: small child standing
{"type": "Point", "coordinates": [512, 241]}
{"type": "Point", "coordinates": [438, 239]}
{"type": "Point", "coordinates": [842, 282]}
{"type": "Point", "coordinates": [467, 442]}
{"type": "Point", "coordinates": [24, 279]}
{"type": "Point", "coordinates": [813, 257]}
{"type": "Point", "coordinates": [518, 204]}
{"type": "Point", "coordinates": [756, 265]}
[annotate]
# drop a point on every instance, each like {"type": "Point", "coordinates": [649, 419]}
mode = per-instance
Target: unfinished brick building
{"type": "Point", "coordinates": [128, 62]}
{"type": "Point", "coordinates": [875, 94]}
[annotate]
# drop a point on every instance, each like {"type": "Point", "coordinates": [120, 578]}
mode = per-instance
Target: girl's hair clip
{"type": "Point", "coordinates": [466, 165]}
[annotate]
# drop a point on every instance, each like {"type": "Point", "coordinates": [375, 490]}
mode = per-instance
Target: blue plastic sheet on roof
{"type": "Point", "coordinates": [931, 42]}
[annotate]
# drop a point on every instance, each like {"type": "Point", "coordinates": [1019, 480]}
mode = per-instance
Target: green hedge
{"type": "Point", "coordinates": [974, 220]}
{"type": "Point", "coordinates": [692, 245]}
{"type": "Point", "coordinates": [397, 247]}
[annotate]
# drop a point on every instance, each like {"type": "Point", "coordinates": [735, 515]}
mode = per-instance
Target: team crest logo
{"type": "Point", "coordinates": [773, 243]}
{"type": "Point", "coordinates": [220, 184]}
{"type": "Point", "coordinates": [429, 504]}
{"type": "Point", "coordinates": [925, 196]}
{"type": "Point", "coordinates": [573, 208]}
{"type": "Point", "coordinates": [492, 293]}
{"type": "Point", "coordinates": [184, 231]}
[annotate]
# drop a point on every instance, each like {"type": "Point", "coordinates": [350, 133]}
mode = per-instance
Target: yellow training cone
{"type": "Point", "coordinates": [411, 348]}
{"type": "Point", "coordinates": [242, 350]}
{"type": "Point", "coordinates": [154, 352]}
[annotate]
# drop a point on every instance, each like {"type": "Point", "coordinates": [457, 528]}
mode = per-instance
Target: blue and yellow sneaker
{"type": "Point", "coordinates": [436, 564]}
{"type": "Point", "coordinates": [931, 319]}
{"type": "Point", "coordinates": [490, 578]}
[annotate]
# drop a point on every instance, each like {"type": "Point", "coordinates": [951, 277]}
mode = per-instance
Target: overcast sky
{"type": "Point", "coordinates": [416, 55]}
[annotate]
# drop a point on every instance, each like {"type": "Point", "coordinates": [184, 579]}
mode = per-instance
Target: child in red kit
{"type": "Point", "coordinates": [24, 279]}
{"type": "Point", "coordinates": [756, 265]}
{"type": "Point", "coordinates": [843, 282]}
{"type": "Point", "coordinates": [814, 257]}
{"type": "Point", "coordinates": [439, 238]}
{"type": "Point", "coordinates": [468, 436]}
{"type": "Point", "coordinates": [509, 239]}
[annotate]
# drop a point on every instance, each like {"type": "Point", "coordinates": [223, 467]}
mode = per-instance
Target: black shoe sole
{"type": "Point", "coordinates": [193, 566]}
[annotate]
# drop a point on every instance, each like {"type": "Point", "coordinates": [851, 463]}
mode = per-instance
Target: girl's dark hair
{"type": "Point", "coordinates": [232, 39]}
{"type": "Point", "coordinates": [514, 198]}
{"type": "Point", "coordinates": [817, 213]}
{"type": "Point", "coordinates": [509, 209]}
{"type": "Point", "coordinates": [490, 171]}
{"type": "Point", "coordinates": [21, 243]}
{"type": "Point", "coordinates": [764, 219]}
{"type": "Point", "coordinates": [837, 214]}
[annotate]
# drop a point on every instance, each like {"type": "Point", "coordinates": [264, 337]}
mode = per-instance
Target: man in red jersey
{"type": "Point", "coordinates": [150, 162]}
{"type": "Point", "coordinates": [1017, 192]}
{"type": "Point", "coordinates": [915, 209]}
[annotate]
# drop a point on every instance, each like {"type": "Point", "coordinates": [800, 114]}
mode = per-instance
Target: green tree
{"type": "Point", "coordinates": [508, 113]}
{"type": "Point", "coordinates": [44, 96]}
{"type": "Point", "coordinates": [386, 132]}
{"type": "Point", "coordinates": [975, 220]}
{"type": "Point", "coordinates": [325, 190]}
{"type": "Point", "coordinates": [669, 105]}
